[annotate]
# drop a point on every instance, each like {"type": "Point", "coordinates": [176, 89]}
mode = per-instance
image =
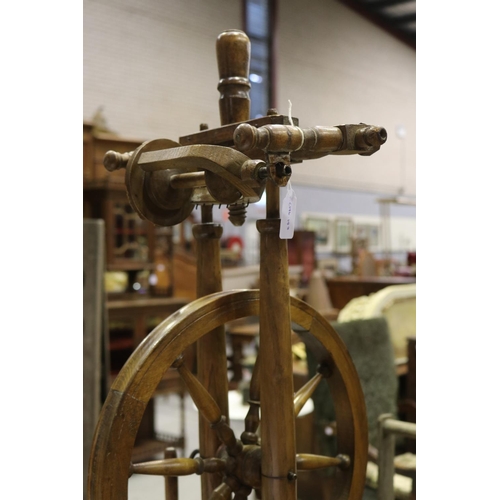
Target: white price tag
{"type": "Point", "coordinates": [288, 209]}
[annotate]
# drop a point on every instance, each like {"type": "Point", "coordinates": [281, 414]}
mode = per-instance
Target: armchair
{"type": "Point", "coordinates": [369, 343]}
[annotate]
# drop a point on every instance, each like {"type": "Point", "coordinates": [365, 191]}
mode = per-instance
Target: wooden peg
{"type": "Point", "coordinates": [115, 161]}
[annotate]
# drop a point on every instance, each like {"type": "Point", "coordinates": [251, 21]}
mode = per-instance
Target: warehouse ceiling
{"type": "Point", "coordinates": [398, 17]}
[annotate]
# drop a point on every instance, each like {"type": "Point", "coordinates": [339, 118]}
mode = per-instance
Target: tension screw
{"type": "Point", "coordinates": [237, 213]}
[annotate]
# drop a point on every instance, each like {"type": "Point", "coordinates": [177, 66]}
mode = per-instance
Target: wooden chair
{"type": "Point", "coordinates": [369, 344]}
{"type": "Point", "coordinates": [388, 429]}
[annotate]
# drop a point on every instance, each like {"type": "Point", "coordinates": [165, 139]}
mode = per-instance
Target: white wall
{"type": "Point", "coordinates": [336, 67]}
{"type": "Point", "coordinates": [152, 63]}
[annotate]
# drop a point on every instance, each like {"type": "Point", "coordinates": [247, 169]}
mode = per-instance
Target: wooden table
{"type": "Point", "coordinates": [244, 333]}
{"type": "Point", "coordinates": [137, 310]}
{"type": "Point", "coordinates": [239, 335]}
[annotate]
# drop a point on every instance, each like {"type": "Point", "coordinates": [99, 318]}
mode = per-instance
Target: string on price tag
{"type": "Point", "coordinates": [289, 205]}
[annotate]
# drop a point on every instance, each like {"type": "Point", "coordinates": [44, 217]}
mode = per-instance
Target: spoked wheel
{"type": "Point", "coordinates": [238, 461]}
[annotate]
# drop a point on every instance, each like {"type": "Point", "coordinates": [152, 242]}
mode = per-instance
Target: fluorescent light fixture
{"type": "Point", "coordinates": [399, 200]}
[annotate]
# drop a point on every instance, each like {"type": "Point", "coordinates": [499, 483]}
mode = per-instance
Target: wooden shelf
{"type": "Point", "coordinates": [130, 265]}
{"type": "Point", "coordinates": [121, 344]}
{"type": "Point", "coordinates": [131, 232]}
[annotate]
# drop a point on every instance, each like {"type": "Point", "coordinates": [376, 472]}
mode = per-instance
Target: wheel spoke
{"type": "Point", "coordinates": [201, 397]}
{"type": "Point", "coordinates": [305, 392]}
{"type": "Point", "coordinates": [306, 461]}
{"type": "Point", "coordinates": [222, 492]}
{"type": "Point", "coordinates": [179, 466]}
{"type": "Point", "coordinates": [208, 408]}
{"type": "Point", "coordinates": [134, 387]}
{"type": "Point", "coordinates": [225, 489]}
{"type": "Point", "coordinates": [252, 420]}
{"type": "Point", "coordinates": [242, 493]}
{"type": "Point", "coordinates": [321, 354]}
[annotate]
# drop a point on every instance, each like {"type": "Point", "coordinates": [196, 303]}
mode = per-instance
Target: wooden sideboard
{"type": "Point", "coordinates": [342, 289]}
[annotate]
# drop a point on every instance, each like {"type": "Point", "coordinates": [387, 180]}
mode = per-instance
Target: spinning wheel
{"type": "Point", "coordinates": [238, 462]}
{"type": "Point", "coordinates": [233, 165]}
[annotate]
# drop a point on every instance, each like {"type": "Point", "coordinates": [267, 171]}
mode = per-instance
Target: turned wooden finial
{"type": "Point", "coordinates": [115, 161]}
{"type": "Point", "coordinates": [233, 60]}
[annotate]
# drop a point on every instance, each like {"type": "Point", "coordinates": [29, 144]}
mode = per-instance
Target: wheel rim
{"type": "Point", "coordinates": [137, 381]}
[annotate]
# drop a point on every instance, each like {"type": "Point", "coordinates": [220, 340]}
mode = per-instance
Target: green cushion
{"type": "Point", "coordinates": [369, 344]}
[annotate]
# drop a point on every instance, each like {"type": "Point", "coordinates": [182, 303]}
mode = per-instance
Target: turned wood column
{"type": "Point", "coordinates": [276, 396]}
{"type": "Point", "coordinates": [211, 348]}
{"type": "Point", "coordinates": [233, 59]}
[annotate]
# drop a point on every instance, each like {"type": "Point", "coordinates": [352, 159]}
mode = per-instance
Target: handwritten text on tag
{"type": "Point", "coordinates": [288, 209]}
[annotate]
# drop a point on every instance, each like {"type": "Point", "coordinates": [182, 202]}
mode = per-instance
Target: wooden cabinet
{"type": "Point", "coordinates": [130, 241]}
{"type": "Point", "coordinates": [131, 245]}
{"type": "Point", "coordinates": [95, 146]}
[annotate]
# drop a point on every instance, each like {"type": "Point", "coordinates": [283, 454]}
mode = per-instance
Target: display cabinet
{"type": "Point", "coordinates": [130, 241]}
{"type": "Point", "coordinates": [132, 245]}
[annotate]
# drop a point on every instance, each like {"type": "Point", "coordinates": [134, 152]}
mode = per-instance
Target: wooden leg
{"type": "Point", "coordinates": [171, 482]}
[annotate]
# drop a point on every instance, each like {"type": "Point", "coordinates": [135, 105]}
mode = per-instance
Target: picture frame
{"type": "Point", "coordinates": [343, 231]}
{"type": "Point", "coordinates": [371, 231]}
{"type": "Point", "coordinates": [322, 225]}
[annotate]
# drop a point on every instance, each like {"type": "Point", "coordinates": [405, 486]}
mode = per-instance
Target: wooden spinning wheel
{"type": "Point", "coordinates": [233, 165]}
{"type": "Point", "coordinates": [238, 462]}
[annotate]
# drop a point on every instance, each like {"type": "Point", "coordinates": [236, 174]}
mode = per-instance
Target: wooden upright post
{"type": "Point", "coordinates": [211, 348]}
{"type": "Point", "coordinates": [233, 57]}
{"type": "Point", "coordinates": [276, 393]}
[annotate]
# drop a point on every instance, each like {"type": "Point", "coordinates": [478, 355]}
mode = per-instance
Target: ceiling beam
{"type": "Point", "coordinates": [409, 38]}
{"type": "Point", "coordinates": [406, 18]}
{"type": "Point", "coordinates": [381, 4]}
